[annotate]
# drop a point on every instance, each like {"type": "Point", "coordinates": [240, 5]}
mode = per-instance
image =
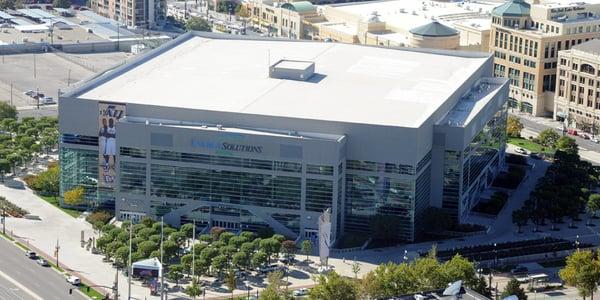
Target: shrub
{"type": "Point", "coordinates": [101, 216]}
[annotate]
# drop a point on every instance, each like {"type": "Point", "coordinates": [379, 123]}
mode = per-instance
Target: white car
{"type": "Point", "coordinates": [521, 150]}
{"type": "Point", "coordinates": [595, 140]}
{"type": "Point", "coordinates": [48, 100]}
{"type": "Point", "coordinates": [74, 280]}
{"type": "Point", "coordinates": [300, 292]}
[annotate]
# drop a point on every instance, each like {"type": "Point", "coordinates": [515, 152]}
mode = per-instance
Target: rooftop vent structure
{"type": "Point", "coordinates": [292, 70]}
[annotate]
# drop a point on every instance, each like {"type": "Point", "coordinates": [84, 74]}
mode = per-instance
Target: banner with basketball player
{"type": "Point", "coordinates": [109, 115]}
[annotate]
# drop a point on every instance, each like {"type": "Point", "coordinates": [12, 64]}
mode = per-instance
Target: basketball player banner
{"type": "Point", "coordinates": [109, 115]}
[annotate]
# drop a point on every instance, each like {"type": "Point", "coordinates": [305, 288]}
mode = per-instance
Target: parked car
{"type": "Point", "coordinates": [29, 93]}
{"type": "Point", "coordinates": [74, 280]}
{"type": "Point", "coordinates": [300, 292]}
{"type": "Point", "coordinates": [521, 150]}
{"type": "Point", "coordinates": [47, 100]}
{"type": "Point", "coordinates": [572, 131]}
{"type": "Point", "coordinates": [519, 270]}
{"type": "Point", "coordinates": [267, 269]}
{"type": "Point", "coordinates": [595, 140]}
{"type": "Point", "coordinates": [42, 262]}
{"type": "Point", "coordinates": [31, 254]}
{"type": "Point", "coordinates": [584, 136]}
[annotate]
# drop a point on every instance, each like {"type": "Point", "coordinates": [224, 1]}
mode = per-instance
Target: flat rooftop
{"type": "Point", "coordinates": [352, 83]}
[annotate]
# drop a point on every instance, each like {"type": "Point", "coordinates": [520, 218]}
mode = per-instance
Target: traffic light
{"type": "Point", "coordinates": [88, 289]}
{"type": "Point", "coordinates": [70, 291]}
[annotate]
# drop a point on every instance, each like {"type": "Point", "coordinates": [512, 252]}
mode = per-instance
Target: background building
{"type": "Point", "coordinates": [134, 13]}
{"type": "Point", "coordinates": [578, 91]}
{"type": "Point", "coordinates": [281, 19]}
{"type": "Point", "coordinates": [244, 133]}
{"type": "Point", "coordinates": [526, 39]}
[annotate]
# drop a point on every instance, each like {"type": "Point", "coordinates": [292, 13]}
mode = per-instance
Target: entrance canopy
{"type": "Point", "coordinates": [147, 268]}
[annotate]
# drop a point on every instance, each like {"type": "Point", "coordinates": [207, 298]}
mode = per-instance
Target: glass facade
{"type": "Point", "coordinates": [319, 194]}
{"type": "Point", "coordinates": [132, 178]}
{"type": "Point", "coordinates": [79, 168]}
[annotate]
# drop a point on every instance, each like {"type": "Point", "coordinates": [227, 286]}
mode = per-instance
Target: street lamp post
{"type": "Point", "coordinates": [577, 242]}
{"type": "Point", "coordinates": [56, 249]}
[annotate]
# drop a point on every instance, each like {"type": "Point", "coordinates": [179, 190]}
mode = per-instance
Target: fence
{"type": "Point", "coordinates": [88, 47]}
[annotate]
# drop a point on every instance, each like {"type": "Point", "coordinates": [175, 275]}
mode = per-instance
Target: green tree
{"type": "Point", "coordinates": [216, 232]}
{"type": "Point", "coordinates": [75, 196]}
{"type": "Point", "coordinates": [259, 259]}
{"type": "Point", "coordinates": [219, 263]}
{"type": "Point", "coordinates": [170, 249]}
{"type": "Point", "coordinates": [385, 227]}
{"type": "Point", "coordinates": [225, 237]}
{"type": "Point", "coordinates": [197, 24]}
{"type": "Point", "coordinates": [61, 3]}
{"type": "Point", "coordinates": [514, 126]}
{"type": "Point", "coordinates": [146, 248]}
{"type": "Point", "coordinates": [240, 260]}
{"type": "Point", "coordinates": [237, 241]}
{"type": "Point", "coordinates": [231, 282]}
{"type": "Point", "coordinates": [548, 137]}
{"type": "Point", "coordinates": [519, 218]}
{"type": "Point", "coordinates": [581, 271]}
{"type": "Point", "coordinates": [187, 229]}
{"type": "Point", "coordinates": [178, 237]}
{"type": "Point", "coordinates": [593, 204]}
{"type": "Point", "coordinates": [193, 290]}
{"type": "Point", "coordinates": [7, 111]}
{"type": "Point", "coordinates": [175, 273]}
{"type": "Point", "coordinates": [513, 288]}
{"type": "Point", "coordinates": [4, 168]}
{"type": "Point", "coordinates": [147, 222]}
{"type": "Point", "coordinates": [355, 268]}
{"type": "Point", "coordinates": [306, 248]}
{"type": "Point", "coordinates": [14, 159]}
{"type": "Point", "coordinates": [567, 145]}
{"type": "Point", "coordinates": [334, 286]}
{"type": "Point", "coordinates": [270, 246]}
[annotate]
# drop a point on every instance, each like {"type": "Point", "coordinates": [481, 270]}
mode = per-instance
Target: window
{"type": "Point", "coordinates": [321, 170]}
{"type": "Point", "coordinates": [528, 81]}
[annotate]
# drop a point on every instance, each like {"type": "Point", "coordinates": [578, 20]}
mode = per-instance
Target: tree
{"type": "Point", "coordinates": [170, 249]}
{"type": "Point", "coordinates": [193, 290]}
{"type": "Point", "coordinates": [243, 12]}
{"type": "Point", "coordinates": [197, 24]}
{"type": "Point", "coordinates": [259, 259]}
{"type": "Point", "coordinates": [582, 272]}
{"type": "Point", "coordinates": [75, 196]}
{"type": "Point", "coordinates": [175, 273]}
{"type": "Point", "coordinates": [334, 286]}
{"type": "Point", "coordinates": [216, 232]}
{"type": "Point", "coordinates": [219, 263]}
{"type": "Point", "coordinates": [61, 3]}
{"type": "Point", "coordinates": [4, 168]}
{"type": "Point", "coordinates": [231, 281]}
{"type": "Point", "coordinates": [240, 259]}
{"type": "Point", "coordinates": [519, 218]}
{"type": "Point", "coordinates": [187, 229]}
{"type": "Point", "coordinates": [15, 159]}
{"type": "Point", "coordinates": [178, 237]}
{"type": "Point", "coordinates": [514, 126]}
{"type": "Point", "coordinates": [225, 237]}
{"type": "Point", "coordinates": [270, 246]}
{"type": "Point", "coordinates": [307, 248]}
{"type": "Point", "coordinates": [7, 111]}
{"type": "Point", "coordinates": [548, 137]}
{"type": "Point", "coordinates": [288, 247]}
{"type": "Point", "coordinates": [593, 204]}
{"type": "Point", "coordinates": [513, 288]}
{"type": "Point", "coordinates": [355, 268]}
{"type": "Point", "coordinates": [146, 248]}
{"type": "Point", "coordinates": [567, 145]}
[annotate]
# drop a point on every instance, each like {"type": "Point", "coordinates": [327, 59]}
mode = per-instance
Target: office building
{"type": "Point", "coordinates": [526, 39]}
{"type": "Point", "coordinates": [286, 19]}
{"type": "Point", "coordinates": [245, 133]}
{"type": "Point", "coordinates": [577, 99]}
{"type": "Point", "coordinates": [133, 13]}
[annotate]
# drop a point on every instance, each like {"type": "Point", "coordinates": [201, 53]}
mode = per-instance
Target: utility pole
{"type": "Point", "coordinates": [116, 286]}
{"type": "Point", "coordinates": [162, 264]}
{"type": "Point", "coordinates": [56, 249]}
{"type": "Point", "coordinates": [34, 67]}
{"type": "Point", "coordinates": [129, 268]}
{"type": "Point", "coordinates": [193, 242]}
{"type": "Point", "coordinates": [37, 97]}
{"type": "Point", "coordinates": [11, 93]}
{"type": "Point", "coordinates": [4, 221]}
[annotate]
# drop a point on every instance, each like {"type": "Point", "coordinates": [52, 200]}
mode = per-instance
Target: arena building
{"type": "Point", "coordinates": [247, 133]}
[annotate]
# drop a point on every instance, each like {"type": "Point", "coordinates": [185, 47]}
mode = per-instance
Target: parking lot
{"type": "Point", "coordinates": [49, 73]}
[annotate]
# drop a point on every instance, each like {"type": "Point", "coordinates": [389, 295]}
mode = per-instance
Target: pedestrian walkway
{"type": "Point", "coordinates": [56, 227]}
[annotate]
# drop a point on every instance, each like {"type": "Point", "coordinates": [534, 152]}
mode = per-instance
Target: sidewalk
{"type": "Point", "coordinates": [57, 225]}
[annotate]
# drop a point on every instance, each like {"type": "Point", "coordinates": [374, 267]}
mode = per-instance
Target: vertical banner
{"type": "Point", "coordinates": [109, 115]}
{"type": "Point", "coordinates": [324, 236]}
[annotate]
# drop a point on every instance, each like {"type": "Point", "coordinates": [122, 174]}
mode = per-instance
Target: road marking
{"type": "Point", "coordinates": [22, 287]}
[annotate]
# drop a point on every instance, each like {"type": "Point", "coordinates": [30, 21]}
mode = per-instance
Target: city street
{"type": "Point", "coordinates": [23, 278]}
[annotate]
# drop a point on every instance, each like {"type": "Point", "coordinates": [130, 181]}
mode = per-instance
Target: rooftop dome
{"type": "Point", "coordinates": [300, 6]}
{"type": "Point", "coordinates": [513, 8]}
{"type": "Point", "coordinates": [434, 29]}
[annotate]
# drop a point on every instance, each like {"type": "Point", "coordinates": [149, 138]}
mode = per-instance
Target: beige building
{"type": "Point", "coordinates": [526, 39]}
{"type": "Point", "coordinates": [391, 24]}
{"type": "Point", "coordinates": [577, 99]}
{"type": "Point", "coordinates": [283, 19]}
{"type": "Point", "coordinates": [133, 13]}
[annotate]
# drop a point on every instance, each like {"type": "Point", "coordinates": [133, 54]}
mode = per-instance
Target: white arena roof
{"type": "Point", "coordinates": [352, 83]}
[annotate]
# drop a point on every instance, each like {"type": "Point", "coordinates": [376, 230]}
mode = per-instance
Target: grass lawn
{"type": "Point", "coordinates": [92, 293]}
{"type": "Point", "coordinates": [54, 201]}
{"type": "Point", "coordinates": [6, 236]}
{"type": "Point", "coordinates": [22, 246]}
{"type": "Point", "coordinates": [529, 145]}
